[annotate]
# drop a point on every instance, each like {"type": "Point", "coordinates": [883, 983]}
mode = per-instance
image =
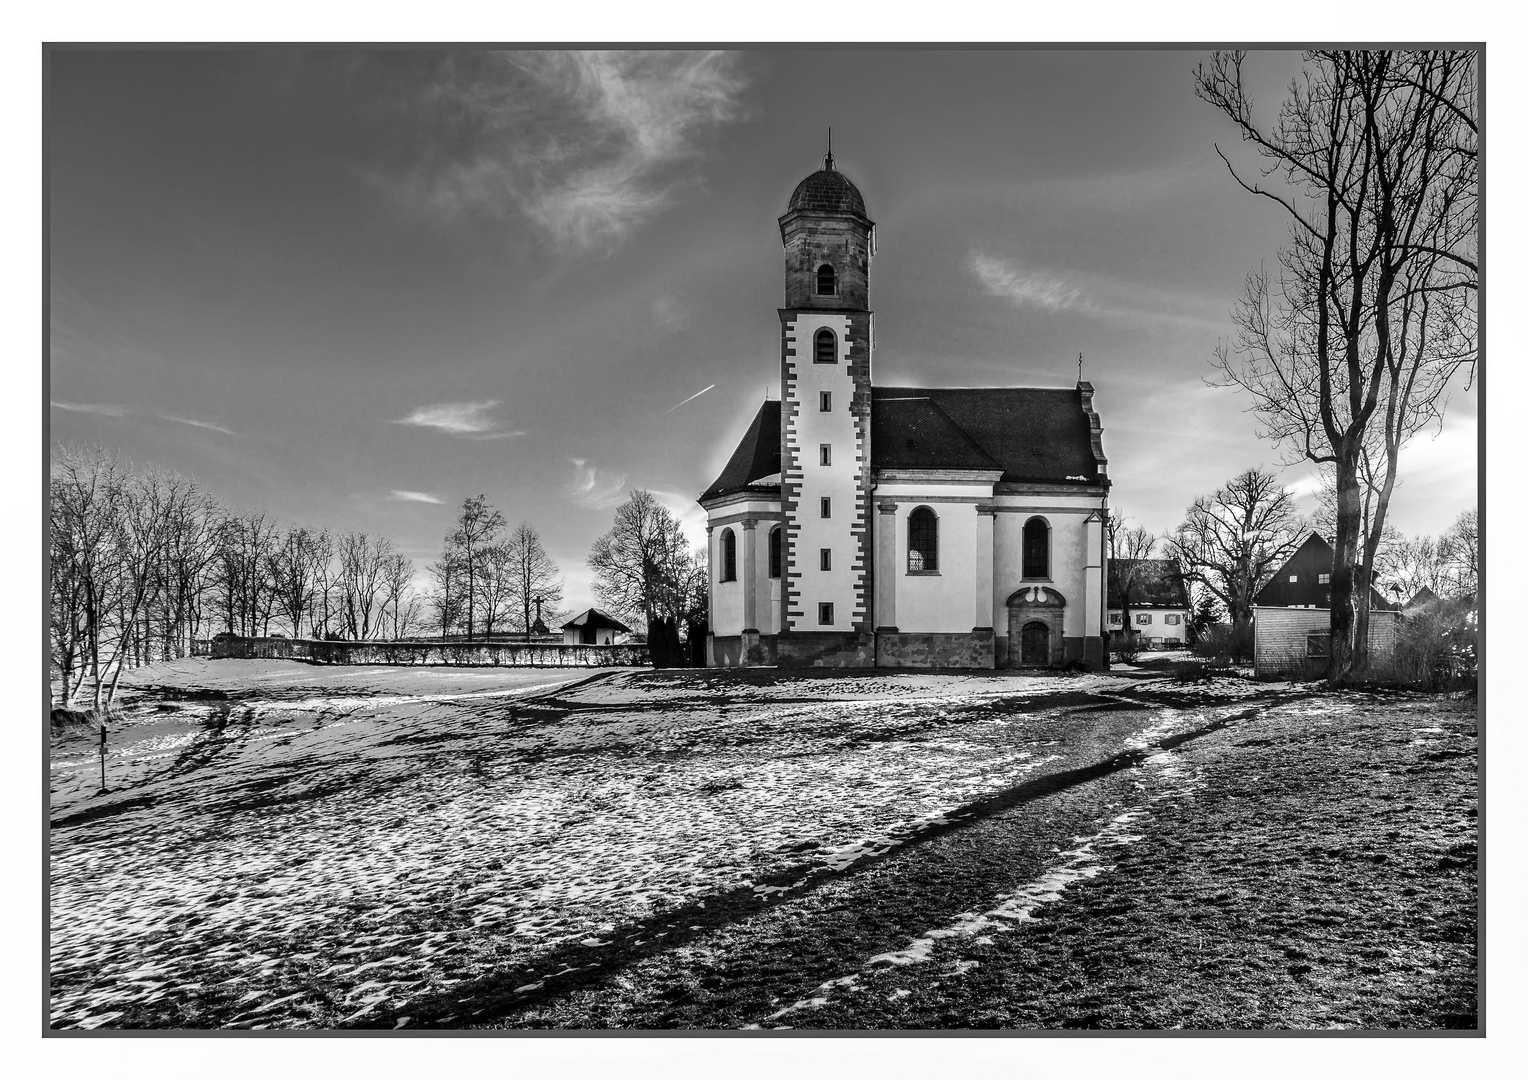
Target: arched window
{"type": "Point", "coordinates": [826, 348]}
{"type": "Point", "coordinates": [1037, 548]}
{"type": "Point", "coordinates": [774, 552]}
{"type": "Point", "coordinates": [729, 555]}
{"type": "Point", "coordinates": [827, 281]}
{"type": "Point", "coordinates": [922, 541]}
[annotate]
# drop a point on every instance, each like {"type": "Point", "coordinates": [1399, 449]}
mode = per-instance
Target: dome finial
{"type": "Point", "coordinates": [827, 162]}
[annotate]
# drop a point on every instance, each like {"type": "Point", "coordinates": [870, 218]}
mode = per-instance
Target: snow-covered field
{"type": "Point", "coordinates": [290, 846]}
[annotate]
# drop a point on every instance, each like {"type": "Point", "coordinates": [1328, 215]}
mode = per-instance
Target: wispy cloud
{"type": "Point", "coordinates": [195, 423]}
{"type": "Point", "coordinates": [98, 410]}
{"type": "Point", "coordinates": [467, 419]}
{"type": "Point", "coordinates": [1027, 288]}
{"type": "Point", "coordinates": [593, 488]}
{"type": "Point", "coordinates": [584, 145]}
{"type": "Point", "coordinates": [689, 399]}
{"type": "Point", "coordinates": [669, 313]}
{"type": "Point", "coordinates": [1093, 294]}
{"type": "Point", "coordinates": [398, 495]}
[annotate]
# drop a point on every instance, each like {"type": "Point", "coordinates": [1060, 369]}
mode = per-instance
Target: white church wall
{"type": "Point", "coordinates": [942, 603]}
{"type": "Point", "coordinates": [1067, 517]}
{"type": "Point", "coordinates": [727, 600]}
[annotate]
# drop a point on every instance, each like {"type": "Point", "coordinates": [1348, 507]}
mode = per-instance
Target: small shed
{"type": "Point", "coordinates": [592, 627]}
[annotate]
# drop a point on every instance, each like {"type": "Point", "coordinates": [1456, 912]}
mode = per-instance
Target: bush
{"type": "Point", "coordinates": [1223, 645]}
{"type": "Point", "coordinates": [1435, 648]}
{"type": "Point", "coordinates": [1127, 646]}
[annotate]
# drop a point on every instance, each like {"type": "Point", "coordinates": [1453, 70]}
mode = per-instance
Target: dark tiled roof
{"type": "Point", "coordinates": [1312, 558]}
{"type": "Point", "coordinates": [594, 617]}
{"type": "Point", "coordinates": [1031, 434]}
{"type": "Point", "coordinates": [829, 190]}
{"type": "Point", "coordinates": [915, 433]}
{"type": "Point", "coordinates": [1159, 586]}
{"type": "Point", "coordinates": [756, 456]}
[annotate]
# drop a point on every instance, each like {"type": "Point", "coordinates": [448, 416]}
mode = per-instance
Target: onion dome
{"type": "Point", "coordinates": [828, 190]}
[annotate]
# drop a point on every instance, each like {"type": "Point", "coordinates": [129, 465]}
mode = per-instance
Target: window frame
{"type": "Point", "coordinates": [1313, 651]}
{"type": "Point", "coordinates": [825, 559]}
{"type": "Point", "coordinates": [832, 277]}
{"type": "Point", "coordinates": [825, 453]}
{"type": "Point", "coordinates": [1028, 573]}
{"type": "Point", "coordinates": [817, 350]}
{"type": "Point", "coordinates": [728, 542]}
{"type": "Point", "coordinates": [776, 552]}
{"type": "Point", "coordinates": [825, 401]}
{"type": "Point", "coordinates": [825, 506]}
{"type": "Point", "coordinates": [825, 613]}
{"type": "Point", "coordinates": [1143, 618]}
{"type": "Point", "coordinates": [923, 513]}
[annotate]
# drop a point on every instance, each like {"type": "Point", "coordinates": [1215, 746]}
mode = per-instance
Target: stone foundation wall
{"type": "Point", "coordinates": [750, 649]}
{"type": "Point", "coordinates": [969, 650]}
{"type": "Point", "coordinates": [825, 649]}
{"type": "Point", "coordinates": [1089, 650]}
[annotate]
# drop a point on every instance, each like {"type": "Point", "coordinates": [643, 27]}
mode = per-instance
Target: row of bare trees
{"type": "Point", "coordinates": [490, 577]}
{"type": "Point", "coordinates": [144, 561]}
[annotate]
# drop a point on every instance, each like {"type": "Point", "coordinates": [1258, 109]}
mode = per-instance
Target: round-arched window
{"type": "Point", "coordinates": [774, 552]}
{"type": "Point", "coordinates": [825, 347]}
{"type": "Point", "coordinates": [827, 281]}
{"type": "Point", "coordinates": [922, 541]}
{"type": "Point", "coordinates": [729, 555]}
{"type": "Point", "coordinates": [1037, 548]}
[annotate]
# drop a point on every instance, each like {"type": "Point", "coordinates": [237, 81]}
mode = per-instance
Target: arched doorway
{"type": "Point", "coordinates": [1036, 614]}
{"type": "Point", "coordinates": [1034, 645]}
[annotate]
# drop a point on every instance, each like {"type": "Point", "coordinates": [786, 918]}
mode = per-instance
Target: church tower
{"type": "Point", "coordinates": [825, 349]}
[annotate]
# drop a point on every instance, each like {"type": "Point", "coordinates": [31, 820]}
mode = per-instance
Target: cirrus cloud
{"type": "Point", "coordinates": [467, 419]}
{"type": "Point", "coordinates": [594, 488]}
{"type": "Point", "coordinates": [398, 495]}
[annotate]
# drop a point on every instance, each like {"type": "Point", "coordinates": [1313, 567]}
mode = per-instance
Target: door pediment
{"type": "Point", "coordinates": [1036, 596]}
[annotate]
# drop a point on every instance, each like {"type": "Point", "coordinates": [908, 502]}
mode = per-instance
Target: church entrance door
{"type": "Point", "coordinates": [1034, 648]}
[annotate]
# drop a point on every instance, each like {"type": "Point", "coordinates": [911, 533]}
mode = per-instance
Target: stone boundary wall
{"type": "Point", "coordinates": [427, 653]}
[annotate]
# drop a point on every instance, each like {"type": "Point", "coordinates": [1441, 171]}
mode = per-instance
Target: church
{"type": "Point", "coordinates": [857, 525]}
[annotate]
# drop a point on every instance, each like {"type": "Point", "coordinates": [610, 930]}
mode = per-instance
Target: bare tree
{"type": "Point", "coordinates": [476, 530]}
{"type": "Point", "coordinates": [446, 596]}
{"type": "Point", "coordinates": [642, 567]}
{"type": "Point", "coordinates": [361, 582]}
{"type": "Point", "coordinates": [1233, 540]}
{"type": "Point", "coordinates": [1459, 550]}
{"type": "Point", "coordinates": [1131, 567]}
{"type": "Point", "coordinates": [397, 584]}
{"type": "Point", "coordinates": [1416, 564]}
{"type": "Point", "coordinates": [294, 571]}
{"type": "Point", "coordinates": [1373, 313]}
{"type": "Point", "coordinates": [533, 572]}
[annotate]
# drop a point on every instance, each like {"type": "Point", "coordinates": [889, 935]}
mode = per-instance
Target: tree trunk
{"type": "Point", "coordinates": [1343, 666]}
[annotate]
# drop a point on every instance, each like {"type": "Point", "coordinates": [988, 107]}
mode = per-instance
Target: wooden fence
{"type": "Point", "coordinates": [424, 653]}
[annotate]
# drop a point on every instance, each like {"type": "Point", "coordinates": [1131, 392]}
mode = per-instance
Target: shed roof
{"type": "Point", "coordinates": [595, 618]}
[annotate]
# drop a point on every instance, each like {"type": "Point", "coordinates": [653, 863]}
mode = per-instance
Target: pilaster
{"type": "Point", "coordinates": [750, 575]}
{"type": "Point", "coordinates": [886, 566]}
{"type": "Point", "coordinates": [984, 569]}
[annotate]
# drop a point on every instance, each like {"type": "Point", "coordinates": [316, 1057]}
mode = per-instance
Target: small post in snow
{"type": "Point", "coordinates": [103, 790]}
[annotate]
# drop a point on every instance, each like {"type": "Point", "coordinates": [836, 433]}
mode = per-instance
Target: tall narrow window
{"type": "Point", "coordinates": [827, 506]}
{"type": "Point", "coordinates": [824, 614]}
{"type": "Point", "coordinates": [826, 346]}
{"type": "Point", "coordinates": [774, 552]}
{"type": "Point", "coordinates": [825, 559]}
{"type": "Point", "coordinates": [825, 454]}
{"type": "Point", "coordinates": [729, 555]}
{"type": "Point", "coordinates": [1036, 548]}
{"type": "Point", "coordinates": [922, 541]}
{"type": "Point", "coordinates": [825, 401]}
{"type": "Point", "coordinates": [827, 281]}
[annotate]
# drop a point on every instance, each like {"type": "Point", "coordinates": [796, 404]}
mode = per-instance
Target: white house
{"type": "Point", "coordinates": [857, 525]}
{"type": "Point", "coordinates": [1158, 601]}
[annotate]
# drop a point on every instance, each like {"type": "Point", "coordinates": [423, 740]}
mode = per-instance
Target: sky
{"type": "Point", "coordinates": [352, 288]}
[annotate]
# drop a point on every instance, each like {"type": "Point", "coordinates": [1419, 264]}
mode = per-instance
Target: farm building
{"type": "Point", "coordinates": [1157, 599]}
{"type": "Point", "coordinates": [592, 627]}
{"type": "Point", "coordinates": [1292, 619]}
{"type": "Point", "coordinates": [857, 525]}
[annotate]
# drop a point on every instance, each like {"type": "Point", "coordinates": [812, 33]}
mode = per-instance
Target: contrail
{"type": "Point", "coordinates": [689, 399]}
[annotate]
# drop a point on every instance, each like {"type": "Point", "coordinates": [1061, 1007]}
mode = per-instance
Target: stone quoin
{"type": "Point", "coordinates": [865, 526]}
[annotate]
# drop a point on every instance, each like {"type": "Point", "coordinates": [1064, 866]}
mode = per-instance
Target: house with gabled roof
{"type": "Point", "coordinates": [1153, 594]}
{"type": "Point", "coordinates": [1292, 618]}
{"type": "Point", "coordinates": [858, 525]}
{"type": "Point", "coordinates": [592, 627]}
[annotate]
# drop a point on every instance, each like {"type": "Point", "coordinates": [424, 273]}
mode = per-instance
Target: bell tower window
{"type": "Point", "coordinates": [825, 348]}
{"type": "Point", "coordinates": [827, 281]}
